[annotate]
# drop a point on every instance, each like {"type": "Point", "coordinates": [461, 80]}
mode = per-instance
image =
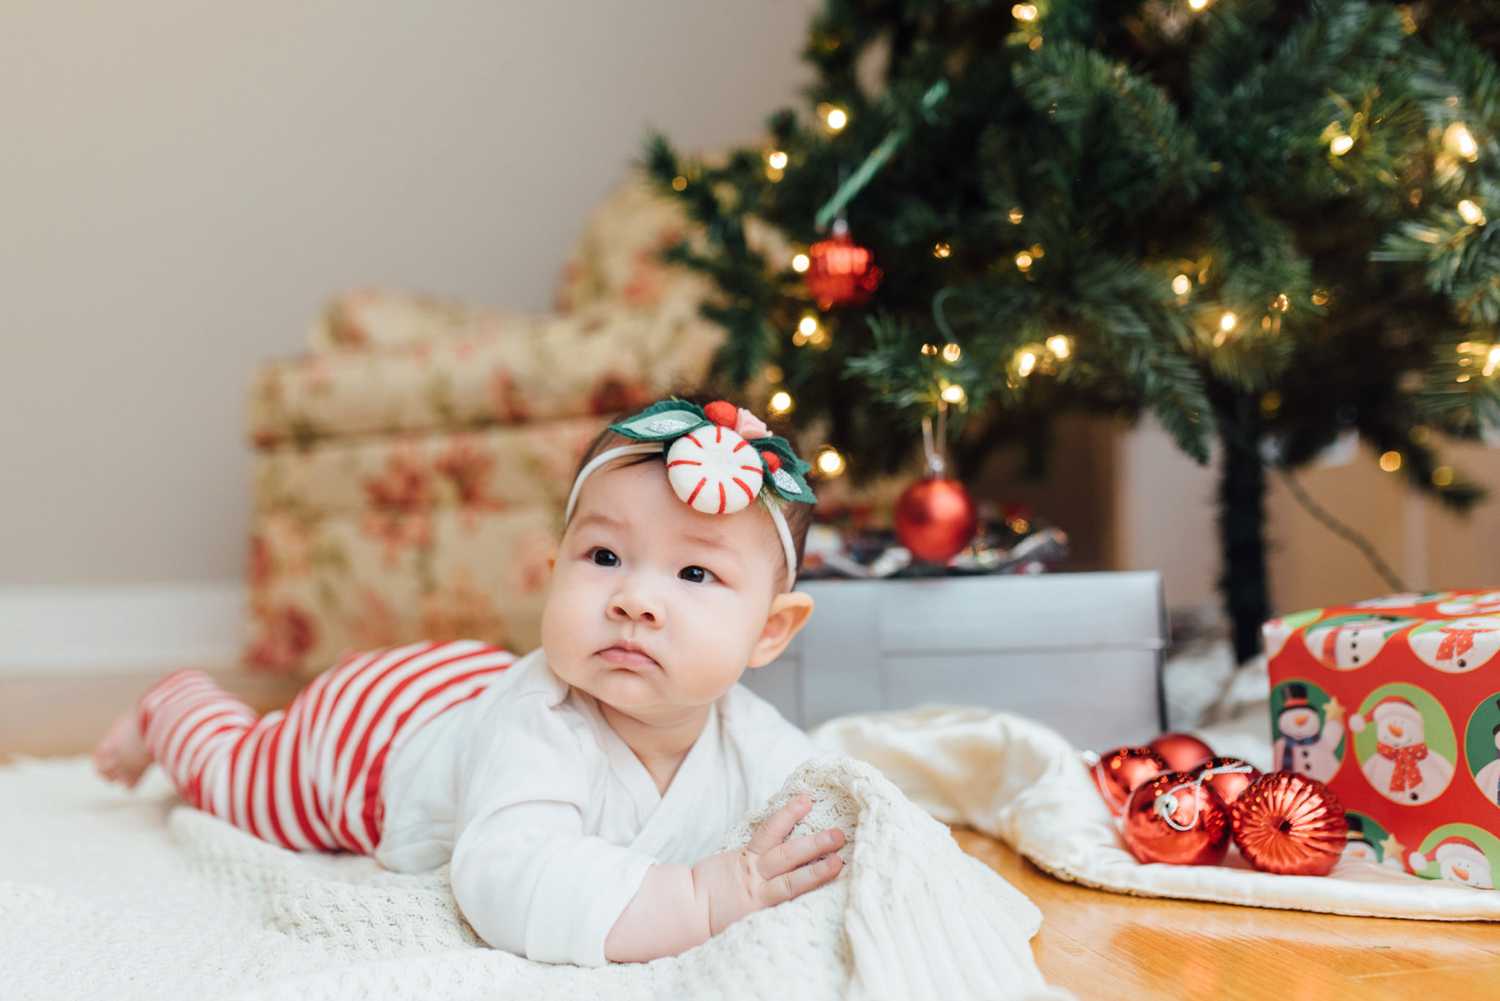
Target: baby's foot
{"type": "Point", "coordinates": [122, 755]}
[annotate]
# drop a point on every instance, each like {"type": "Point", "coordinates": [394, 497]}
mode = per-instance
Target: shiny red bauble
{"type": "Point", "coordinates": [1118, 772]}
{"type": "Point", "coordinates": [840, 272]}
{"type": "Point", "coordinates": [1175, 818]}
{"type": "Point", "coordinates": [1183, 751]}
{"type": "Point", "coordinates": [1228, 776]}
{"type": "Point", "coordinates": [1290, 824]}
{"type": "Point", "coordinates": [935, 518]}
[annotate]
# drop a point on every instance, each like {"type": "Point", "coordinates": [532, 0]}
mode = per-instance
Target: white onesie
{"type": "Point", "coordinates": [551, 821]}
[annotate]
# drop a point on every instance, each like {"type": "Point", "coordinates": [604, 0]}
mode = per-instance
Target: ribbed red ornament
{"type": "Point", "coordinates": [1118, 772]}
{"type": "Point", "coordinates": [1231, 776]}
{"type": "Point", "coordinates": [1183, 751]}
{"type": "Point", "coordinates": [1178, 819]}
{"type": "Point", "coordinates": [1288, 823]}
{"type": "Point", "coordinates": [841, 272]}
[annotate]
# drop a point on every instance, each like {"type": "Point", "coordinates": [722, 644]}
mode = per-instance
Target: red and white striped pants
{"type": "Point", "coordinates": [308, 777]}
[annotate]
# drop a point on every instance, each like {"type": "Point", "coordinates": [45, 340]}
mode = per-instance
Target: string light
{"type": "Point", "coordinates": [1023, 261]}
{"type": "Point", "coordinates": [1460, 140]}
{"type": "Point", "coordinates": [1462, 378]}
{"type": "Point", "coordinates": [952, 352]}
{"type": "Point", "coordinates": [829, 461]}
{"type": "Point", "coordinates": [1015, 216]}
{"type": "Point", "coordinates": [1320, 297]}
{"type": "Point", "coordinates": [1035, 43]}
{"type": "Point", "coordinates": [954, 393]}
{"type": "Point", "coordinates": [929, 349]}
{"type": "Point", "coordinates": [1471, 212]}
{"type": "Point", "coordinates": [800, 263]}
{"type": "Point", "coordinates": [1390, 461]}
{"type": "Point", "coordinates": [1442, 476]}
{"type": "Point", "coordinates": [1061, 346]}
{"type": "Point", "coordinates": [1341, 144]}
{"type": "Point", "coordinates": [808, 325]}
{"type": "Point", "coordinates": [1197, 6]}
{"type": "Point", "coordinates": [1228, 321]}
{"type": "Point", "coordinates": [1182, 284]}
{"type": "Point", "coordinates": [776, 159]}
{"type": "Point", "coordinates": [1024, 12]}
{"type": "Point", "coordinates": [1025, 363]}
{"type": "Point", "coordinates": [1492, 362]}
{"type": "Point", "coordinates": [679, 183]}
{"type": "Point", "coordinates": [834, 117]}
{"type": "Point", "coordinates": [1281, 303]}
{"type": "Point", "coordinates": [781, 403]}
{"type": "Point", "coordinates": [942, 251]}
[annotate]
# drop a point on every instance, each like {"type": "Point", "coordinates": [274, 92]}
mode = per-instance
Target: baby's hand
{"type": "Point", "coordinates": [769, 870]}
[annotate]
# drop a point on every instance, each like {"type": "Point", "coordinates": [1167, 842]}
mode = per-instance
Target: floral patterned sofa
{"type": "Point", "coordinates": [411, 467]}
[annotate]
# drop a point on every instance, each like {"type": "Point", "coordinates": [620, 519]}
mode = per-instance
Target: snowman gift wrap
{"type": "Point", "coordinates": [1394, 702]}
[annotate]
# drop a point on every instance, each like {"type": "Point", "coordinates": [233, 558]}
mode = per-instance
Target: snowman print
{"type": "Point", "coordinates": [1349, 642]}
{"type": "Point", "coordinates": [1457, 645]}
{"type": "Point", "coordinates": [1407, 599]}
{"type": "Point", "coordinates": [1479, 603]}
{"type": "Point", "coordinates": [1305, 743]}
{"type": "Point", "coordinates": [1369, 844]}
{"type": "Point", "coordinates": [1488, 777]}
{"type": "Point", "coordinates": [1459, 860]}
{"type": "Point", "coordinates": [1403, 768]}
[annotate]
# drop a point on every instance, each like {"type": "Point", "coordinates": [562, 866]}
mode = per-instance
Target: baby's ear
{"type": "Point", "coordinates": [789, 613]}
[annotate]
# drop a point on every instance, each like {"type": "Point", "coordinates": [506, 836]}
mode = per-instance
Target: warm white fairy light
{"type": "Point", "coordinates": [1024, 12]}
{"type": "Point", "coordinates": [1390, 461]}
{"type": "Point", "coordinates": [1061, 346]}
{"type": "Point", "coordinates": [942, 250]}
{"type": "Point", "coordinates": [1196, 6]}
{"type": "Point", "coordinates": [1015, 216]}
{"type": "Point", "coordinates": [808, 325]}
{"type": "Point", "coordinates": [800, 263]}
{"type": "Point", "coordinates": [954, 393]}
{"type": "Point", "coordinates": [1471, 212]}
{"type": "Point", "coordinates": [776, 159]}
{"type": "Point", "coordinates": [1460, 140]}
{"type": "Point", "coordinates": [781, 403]}
{"type": "Point", "coordinates": [1023, 261]}
{"type": "Point", "coordinates": [1025, 363]}
{"type": "Point", "coordinates": [834, 117]}
{"type": "Point", "coordinates": [1182, 284]}
{"type": "Point", "coordinates": [829, 461]}
{"type": "Point", "coordinates": [1442, 476]}
{"type": "Point", "coordinates": [952, 352]}
{"type": "Point", "coordinates": [1228, 321]}
{"type": "Point", "coordinates": [1341, 144]}
{"type": "Point", "coordinates": [1492, 363]}
{"type": "Point", "coordinates": [679, 183]}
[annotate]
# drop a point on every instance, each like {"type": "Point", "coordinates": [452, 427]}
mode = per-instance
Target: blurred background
{"type": "Point", "coordinates": [187, 192]}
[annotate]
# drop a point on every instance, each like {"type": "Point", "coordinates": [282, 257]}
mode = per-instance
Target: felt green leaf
{"type": "Point", "coordinates": [661, 421]}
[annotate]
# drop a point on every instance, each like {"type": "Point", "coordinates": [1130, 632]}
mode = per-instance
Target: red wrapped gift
{"type": "Point", "coordinates": [1395, 703]}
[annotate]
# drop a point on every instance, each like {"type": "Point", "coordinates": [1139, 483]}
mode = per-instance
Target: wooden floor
{"type": "Point", "coordinates": [1098, 945]}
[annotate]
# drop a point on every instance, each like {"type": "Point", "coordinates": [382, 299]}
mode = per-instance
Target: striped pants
{"type": "Point", "coordinates": [308, 777]}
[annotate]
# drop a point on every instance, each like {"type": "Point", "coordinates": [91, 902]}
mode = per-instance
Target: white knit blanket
{"type": "Point", "coordinates": [121, 895]}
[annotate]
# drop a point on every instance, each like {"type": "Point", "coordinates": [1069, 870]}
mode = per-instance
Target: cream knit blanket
{"type": "Point", "coordinates": [114, 895]}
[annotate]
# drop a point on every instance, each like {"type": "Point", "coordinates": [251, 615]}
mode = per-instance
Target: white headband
{"type": "Point", "coordinates": [644, 448]}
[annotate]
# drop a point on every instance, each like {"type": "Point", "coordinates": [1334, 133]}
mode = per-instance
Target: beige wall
{"type": "Point", "coordinates": [181, 184]}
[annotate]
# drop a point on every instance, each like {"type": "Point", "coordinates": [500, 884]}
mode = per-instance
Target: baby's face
{"type": "Point", "coordinates": [638, 567]}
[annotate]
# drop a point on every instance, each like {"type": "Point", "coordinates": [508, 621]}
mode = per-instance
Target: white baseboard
{"type": "Point", "coordinates": [72, 631]}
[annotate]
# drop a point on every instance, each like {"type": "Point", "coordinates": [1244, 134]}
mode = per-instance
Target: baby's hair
{"type": "Point", "coordinates": [798, 516]}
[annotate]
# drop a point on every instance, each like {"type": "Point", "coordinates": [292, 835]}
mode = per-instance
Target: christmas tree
{"type": "Point", "coordinates": [1264, 223]}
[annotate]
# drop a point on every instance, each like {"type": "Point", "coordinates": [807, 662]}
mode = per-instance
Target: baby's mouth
{"type": "Point", "coordinates": [628, 656]}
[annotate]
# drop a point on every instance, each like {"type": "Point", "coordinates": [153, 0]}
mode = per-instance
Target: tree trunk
{"type": "Point", "coordinates": [1242, 524]}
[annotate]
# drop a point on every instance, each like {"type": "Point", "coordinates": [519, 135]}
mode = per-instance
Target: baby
{"type": "Point", "coordinates": [579, 792]}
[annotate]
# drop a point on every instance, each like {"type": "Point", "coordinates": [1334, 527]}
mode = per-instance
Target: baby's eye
{"type": "Point", "coordinates": [698, 575]}
{"type": "Point", "coordinates": [600, 556]}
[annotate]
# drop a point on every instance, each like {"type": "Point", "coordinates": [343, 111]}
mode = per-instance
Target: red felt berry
{"type": "Point", "coordinates": [773, 461]}
{"type": "Point", "coordinates": [722, 413]}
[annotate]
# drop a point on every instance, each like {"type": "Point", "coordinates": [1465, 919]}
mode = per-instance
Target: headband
{"type": "Point", "coordinates": [719, 459]}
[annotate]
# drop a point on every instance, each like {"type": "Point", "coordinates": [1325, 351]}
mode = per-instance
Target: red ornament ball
{"type": "Point", "coordinates": [1183, 751]}
{"type": "Point", "coordinates": [1291, 824]}
{"type": "Point", "coordinates": [1231, 776]}
{"type": "Point", "coordinates": [722, 413]}
{"type": "Point", "coordinates": [935, 518]}
{"type": "Point", "coordinates": [841, 272]}
{"type": "Point", "coordinates": [1118, 772]}
{"type": "Point", "coordinates": [1177, 819]}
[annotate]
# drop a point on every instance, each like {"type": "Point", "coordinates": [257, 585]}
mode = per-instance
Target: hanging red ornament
{"type": "Point", "coordinates": [840, 271]}
{"type": "Point", "coordinates": [1118, 772]}
{"type": "Point", "coordinates": [1228, 776]}
{"type": "Point", "coordinates": [935, 518]}
{"type": "Point", "coordinates": [1176, 818]}
{"type": "Point", "coordinates": [1183, 751]}
{"type": "Point", "coordinates": [1288, 823]}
